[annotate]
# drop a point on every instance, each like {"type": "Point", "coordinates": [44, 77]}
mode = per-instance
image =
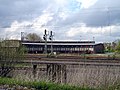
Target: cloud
{"type": "Point", "coordinates": [37, 25]}
{"type": "Point", "coordinates": [86, 3]}
{"type": "Point", "coordinates": [101, 13]}
{"type": "Point", "coordinates": [69, 19]}
{"type": "Point", "coordinates": [21, 10]}
{"type": "Point", "coordinates": [101, 34]}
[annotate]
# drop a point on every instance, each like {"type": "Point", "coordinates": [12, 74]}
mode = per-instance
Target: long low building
{"type": "Point", "coordinates": [64, 46]}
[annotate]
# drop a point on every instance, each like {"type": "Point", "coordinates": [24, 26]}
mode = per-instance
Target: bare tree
{"type": "Point", "coordinates": [33, 37]}
{"type": "Point", "coordinates": [11, 51]}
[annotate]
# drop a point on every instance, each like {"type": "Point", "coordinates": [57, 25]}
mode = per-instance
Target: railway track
{"type": "Point", "coordinates": [78, 60]}
{"type": "Point", "coordinates": [69, 60]}
{"type": "Point", "coordinates": [36, 62]}
{"type": "Point", "coordinates": [73, 59]}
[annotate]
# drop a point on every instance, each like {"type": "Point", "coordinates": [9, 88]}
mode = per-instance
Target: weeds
{"type": "Point", "coordinates": [39, 85]}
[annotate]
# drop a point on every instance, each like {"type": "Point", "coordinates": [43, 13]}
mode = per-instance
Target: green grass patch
{"type": "Point", "coordinates": [39, 85]}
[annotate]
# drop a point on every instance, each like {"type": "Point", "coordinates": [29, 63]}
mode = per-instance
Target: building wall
{"type": "Point", "coordinates": [99, 48]}
{"type": "Point", "coordinates": [62, 47]}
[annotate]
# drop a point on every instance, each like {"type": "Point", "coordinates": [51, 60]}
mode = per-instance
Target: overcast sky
{"type": "Point", "coordinates": [68, 19]}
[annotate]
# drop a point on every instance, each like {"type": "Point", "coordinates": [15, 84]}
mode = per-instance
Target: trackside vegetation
{"type": "Point", "coordinates": [39, 85]}
{"type": "Point", "coordinates": [48, 85]}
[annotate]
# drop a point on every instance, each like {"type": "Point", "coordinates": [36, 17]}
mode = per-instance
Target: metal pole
{"type": "Point", "coordinates": [51, 47]}
{"type": "Point", "coordinates": [45, 38]}
{"type": "Point", "coordinates": [22, 36]}
{"type": "Point", "coordinates": [93, 38]}
{"type": "Point", "coordinates": [109, 22]}
{"type": "Point", "coordinates": [46, 45]}
{"type": "Point", "coordinates": [51, 38]}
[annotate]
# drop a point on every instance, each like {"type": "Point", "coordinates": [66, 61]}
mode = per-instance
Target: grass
{"type": "Point", "coordinates": [49, 86]}
{"type": "Point", "coordinates": [39, 85]}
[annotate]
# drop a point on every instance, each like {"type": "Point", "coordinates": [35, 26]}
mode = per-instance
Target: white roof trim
{"type": "Point", "coordinates": [61, 43]}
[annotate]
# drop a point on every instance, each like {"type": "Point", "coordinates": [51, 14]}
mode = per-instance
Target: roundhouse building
{"type": "Point", "coordinates": [64, 46]}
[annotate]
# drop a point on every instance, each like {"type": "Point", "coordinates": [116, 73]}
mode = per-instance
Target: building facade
{"type": "Point", "coordinates": [63, 47]}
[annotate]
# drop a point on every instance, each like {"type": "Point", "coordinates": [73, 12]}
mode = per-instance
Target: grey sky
{"type": "Point", "coordinates": [69, 19]}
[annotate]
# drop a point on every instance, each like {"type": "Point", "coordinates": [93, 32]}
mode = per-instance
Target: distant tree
{"type": "Point", "coordinates": [117, 49]}
{"type": "Point", "coordinates": [33, 37]}
{"type": "Point", "coordinates": [11, 51]}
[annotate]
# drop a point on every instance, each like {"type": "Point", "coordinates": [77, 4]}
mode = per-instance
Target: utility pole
{"type": "Point", "coordinates": [45, 38]}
